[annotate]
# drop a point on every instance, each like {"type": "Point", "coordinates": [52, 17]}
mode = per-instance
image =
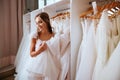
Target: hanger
{"type": "Point", "coordinates": [61, 15]}
{"type": "Point", "coordinates": [108, 6]}
{"type": "Point", "coordinates": [116, 8]}
{"type": "Point", "coordinates": [90, 11]}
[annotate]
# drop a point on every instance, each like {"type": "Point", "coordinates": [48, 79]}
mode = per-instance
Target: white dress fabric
{"type": "Point", "coordinates": [101, 44]}
{"type": "Point", "coordinates": [108, 53]}
{"type": "Point", "coordinates": [88, 56]}
{"type": "Point", "coordinates": [65, 58]}
{"type": "Point", "coordinates": [85, 26]}
{"type": "Point", "coordinates": [118, 25]}
{"type": "Point", "coordinates": [65, 63]}
{"type": "Point", "coordinates": [114, 37]}
{"type": "Point", "coordinates": [61, 25]}
{"type": "Point", "coordinates": [23, 54]}
{"type": "Point", "coordinates": [47, 65]}
{"type": "Point", "coordinates": [24, 48]}
{"type": "Point", "coordinates": [54, 24]}
{"type": "Point", "coordinates": [66, 24]}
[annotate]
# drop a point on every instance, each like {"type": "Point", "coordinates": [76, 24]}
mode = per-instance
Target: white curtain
{"type": "Point", "coordinates": [11, 12]}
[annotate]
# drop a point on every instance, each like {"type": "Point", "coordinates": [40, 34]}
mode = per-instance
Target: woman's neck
{"type": "Point", "coordinates": [45, 36]}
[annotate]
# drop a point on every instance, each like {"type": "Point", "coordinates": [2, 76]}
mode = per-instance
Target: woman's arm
{"type": "Point", "coordinates": [42, 47]}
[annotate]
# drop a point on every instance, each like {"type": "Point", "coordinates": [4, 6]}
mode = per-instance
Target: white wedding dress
{"type": "Point", "coordinates": [88, 55]}
{"type": "Point", "coordinates": [65, 58]}
{"type": "Point", "coordinates": [24, 48]}
{"type": "Point", "coordinates": [85, 23]}
{"type": "Point", "coordinates": [60, 26]}
{"type": "Point", "coordinates": [108, 54]}
{"type": "Point", "coordinates": [47, 65]}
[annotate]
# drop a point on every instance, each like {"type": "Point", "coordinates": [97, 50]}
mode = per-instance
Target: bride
{"type": "Point", "coordinates": [45, 52]}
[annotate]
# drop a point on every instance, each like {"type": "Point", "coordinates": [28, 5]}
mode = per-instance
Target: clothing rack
{"type": "Point", "coordinates": [111, 6]}
{"type": "Point", "coordinates": [61, 14]}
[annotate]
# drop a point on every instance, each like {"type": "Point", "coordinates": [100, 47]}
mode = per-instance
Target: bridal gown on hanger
{"type": "Point", "coordinates": [65, 58]}
{"type": "Point", "coordinates": [88, 56]}
{"type": "Point", "coordinates": [47, 65]}
{"type": "Point", "coordinates": [66, 23]}
{"type": "Point", "coordinates": [60, 26]}
{"type": "Point", "coordinates": [56, 23]}
{"type": "Point", "coordinates": [107, 64]}
{"type": "Point", "coordinates": [23, 50]}
{"type": "Point", "coordinates": [85, 27]}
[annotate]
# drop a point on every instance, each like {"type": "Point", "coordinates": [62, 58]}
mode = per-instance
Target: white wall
{"type": "Point", "coordinates": [53, 9]}
{"type": "Point", "coordinates": [77, 7]}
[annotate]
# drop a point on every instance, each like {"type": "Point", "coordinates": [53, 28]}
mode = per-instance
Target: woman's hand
{"type": "Point", "coordinates": [43, 46]}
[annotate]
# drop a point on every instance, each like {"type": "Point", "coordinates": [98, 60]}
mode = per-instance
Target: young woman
{"type": "Point", "coordinates": [46, 50]}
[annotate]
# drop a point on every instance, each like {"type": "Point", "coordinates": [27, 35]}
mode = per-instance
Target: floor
{"type": "Point", "coordinates": [7, 73]}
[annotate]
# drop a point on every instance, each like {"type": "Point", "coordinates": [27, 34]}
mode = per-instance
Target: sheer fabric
{"type": "Point", "coordinates": [47, 65]}
{"type": "Point", "coordinates": [98, 57]}
{"type": "Point", "coordinates": [107, 64]}
{"type": "Point", "coordinates": [88, 56]}
{"type": "Point", "coordinates": [24, 47]}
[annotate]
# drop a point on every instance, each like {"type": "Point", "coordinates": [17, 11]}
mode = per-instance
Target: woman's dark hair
{"type": "Point", "coordinates": [45, 17]}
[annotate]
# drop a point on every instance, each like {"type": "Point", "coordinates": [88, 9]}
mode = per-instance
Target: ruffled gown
{"type": "Point", "coordinates": [108, 51]}
{"type": "Point", "coordinates": [47, 65]}
{"type": "Point", "coordinates": [88, 56]}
